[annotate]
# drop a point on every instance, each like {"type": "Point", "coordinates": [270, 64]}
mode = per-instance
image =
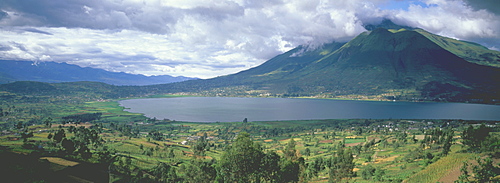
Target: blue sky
{"type": "Point", "coordinates": [402, 4]}
{"type": "Point", "coordinates": [209, 38]}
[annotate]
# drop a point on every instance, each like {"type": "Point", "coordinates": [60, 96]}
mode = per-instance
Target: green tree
{"type": "Point", "coordinates": [291, 165]}
{"type": "Point", "coordinates": [270, 167]}
{"type": "Point", "coordinates": [241, 162]}
{"type": "Point", "coordinates": [200, 171]}
{"type": "Point", "coordinates": [290, 171]}
{"type": "Point", "coordinates": [171, 153]}
{"type": "Point", "coordinates": [200, 145]}
{"type": "Point", "coordinates": [378, 175]}
{"type": "Point", "coordinates": [59, 135]}
{"type": "Point", "coordinates": [367, 172]}
{"type": "Point", "coordinates": [307, 152]}
{"type": "Point", "coordinates": [25, 135]}
{"type": "Point", "coordinates": [290, 152]}
{"type": "Point", "coordinates": [483, 171]}
{"type": "Point", "coordinates": [68, 145]}
{"type": "Point", "coordinates": [476, 138]}
{"type": "Point", "coordinates": [341, 165]}
{"type": "Point", "coordinates": [448, 139]}
{"type": "Point", "coordinates": [164, 173]}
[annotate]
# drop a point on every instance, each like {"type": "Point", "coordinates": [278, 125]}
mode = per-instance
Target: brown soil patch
{"type": "Point", "coordinates": [376, 138]}
{"type": "Point", "coordinates": [86, 125]}
{"type": "Point", "coordinates": [353, 144]}
{"type": "Point", "coordinates": [380, 160]}
{"type": "Point", "coordinates": [60, 161]}
{"type": "Point", "coordinates": [419, 137]}
{"type": "Point", "coordinates": [268, 140]}
{"type": "Point", "coordinates": [326, 141]}
{"type": "Point", "coordinates": [451, 176]}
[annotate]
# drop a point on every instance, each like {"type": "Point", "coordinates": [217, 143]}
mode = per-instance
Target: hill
{"type": "Point", "coordinates": [53, 72]}
{"type": "Point", "coordinates": [379, 64]}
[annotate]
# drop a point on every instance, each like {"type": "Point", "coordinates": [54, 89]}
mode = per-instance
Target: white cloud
{"type": "Point", "coordinates": [203, 38]}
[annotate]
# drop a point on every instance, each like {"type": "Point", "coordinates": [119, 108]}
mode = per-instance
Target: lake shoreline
{"type": "Point", "coordinates": [233, 113]}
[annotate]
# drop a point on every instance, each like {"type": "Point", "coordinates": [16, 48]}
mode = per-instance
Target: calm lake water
{"type": "Point", "coordinates": [222, 109]}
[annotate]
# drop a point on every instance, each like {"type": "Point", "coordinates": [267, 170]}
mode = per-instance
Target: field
{"type": "Point", "coordinates": [104, 138]}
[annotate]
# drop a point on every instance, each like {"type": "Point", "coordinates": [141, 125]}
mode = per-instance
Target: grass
{"type": "Point", "coordinates": [441, 169]}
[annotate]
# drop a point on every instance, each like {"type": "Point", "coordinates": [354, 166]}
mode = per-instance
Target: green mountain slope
{"type": "Point", "coordinates": [382, 63]}
{"type": "Point", "coordinates": [469, 51]}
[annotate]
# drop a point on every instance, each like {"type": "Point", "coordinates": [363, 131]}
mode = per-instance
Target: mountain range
{"type": "Point", "coordinates": [54, 72]}
{"type": "Point", "coordinates": [387, 62]}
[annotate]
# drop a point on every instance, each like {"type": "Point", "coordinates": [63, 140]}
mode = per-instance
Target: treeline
{"type": "Point", "coordinates": [87, 117]}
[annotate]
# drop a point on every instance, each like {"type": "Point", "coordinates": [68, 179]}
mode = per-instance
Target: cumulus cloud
{"type": "Point", "coordinates": [207, 38]}
{"type": "Point", "coordinates": [453, 19]}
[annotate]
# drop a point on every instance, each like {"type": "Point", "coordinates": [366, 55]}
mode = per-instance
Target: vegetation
{"type": "Point", "coordinates": [76, 132]}
{"type": "Point", "coordinates": [100, 137]}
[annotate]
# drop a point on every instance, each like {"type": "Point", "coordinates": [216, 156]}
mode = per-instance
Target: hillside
{"type": "Point", "coordinates": [53, 72]}
{"type": "Point", "coordinates": [378, 64]}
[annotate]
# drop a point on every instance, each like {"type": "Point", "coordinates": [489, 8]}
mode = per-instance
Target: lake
{"type": "Point", "coordinates": [232, 109]}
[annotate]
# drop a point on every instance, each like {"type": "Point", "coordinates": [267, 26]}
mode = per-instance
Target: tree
{"type": "Point", "coordinates": [48, 122]}
{"type": "Point", "coordinates": [164, 173]}
{"type": "Point", "coordinates": [68, 145]}
{"type": "Point", "coordinates": [307, 152]}
{"type": "Point", "coordinates": [367, 172]}
{"type": "Point", "coordinates": [270, 168]}
{"type": "Point", "coordinates": [447, 143]}
{"type": "Point", "coordinates": [25, 135]}
{"type": "Point", "coordinates": [171, 153]}
{"type": "Point", "coordinates": [291, 165]}
{"type": "Point", "coordinates": [341, 165]}
{"type": "Point", "coordinates": [200, 171]}
{"type": "Point", "coordinates": [378, 175]}
{"type": "Point", "coordinates": [483, 171]}
{"type": "Point", "coordinates": [59, 135]}
{"type": "Point", "coordinates": [156, 135]}
{"type": "Point", "coordinates": [478, 139]}
{"type": "Point", "coordinates": [290, 152]}
{"type": "Point", "coordinates": [200, 145]}
{"type": "Point", "coordinates": [291, 170]}
{"type": "Point", "coordinates": [241, 162]}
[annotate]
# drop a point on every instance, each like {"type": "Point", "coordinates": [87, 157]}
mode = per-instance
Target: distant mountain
{"type": "Point", "coordinates": [53, 72]}
{"type": "Point", "coordinates": [406, 64]}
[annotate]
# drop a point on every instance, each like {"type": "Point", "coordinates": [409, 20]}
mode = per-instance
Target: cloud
{"type": "Point", "coordinates": [490, 5]}
{"type": "Point", "coordinates": [208, 38]}
{"type": "Point", "coordinates": [37, 31]}
{"type": "Point", "coordinates": [453, 19]}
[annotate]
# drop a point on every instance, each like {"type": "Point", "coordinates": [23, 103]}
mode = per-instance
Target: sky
{"type": "Point", "coordinates": [210, 38]}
